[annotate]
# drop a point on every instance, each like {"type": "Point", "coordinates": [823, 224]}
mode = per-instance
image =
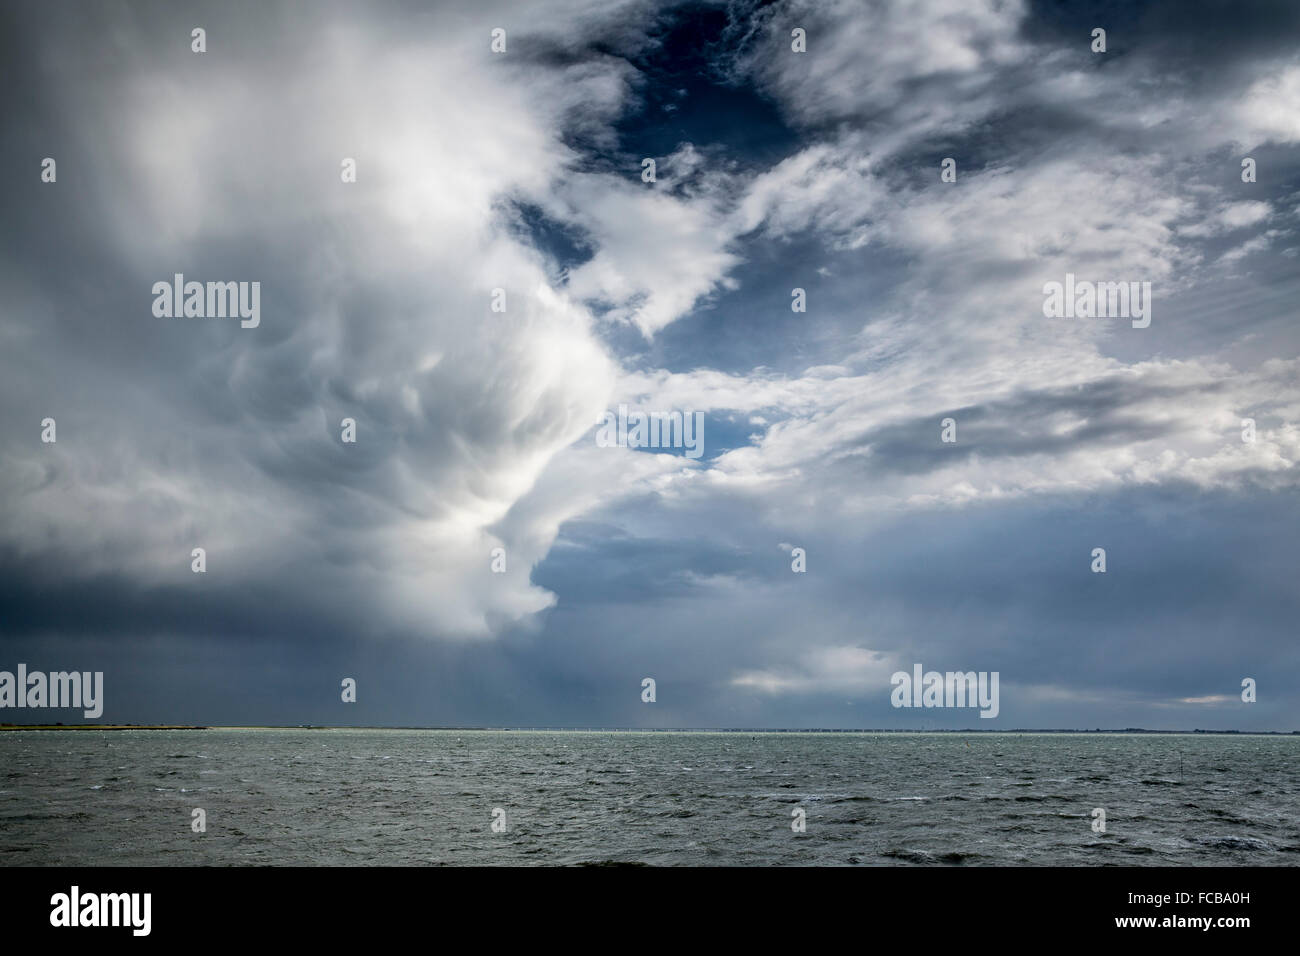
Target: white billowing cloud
{"type": "Point", "coordinates": [829, 186]}
{"type": "Point", "coordinates": [846, 669]}
{"type": "Point", "coordinates": [657, 254]}
{"type": "Point", "coordinates": [964, 329]}
{"type": "Point", "coordinates": [1251, 246]}
{"type": "Point", "coordinates": [868, 59]}
{"type": "Point", "coordinates": [459, 409]}
{"type": "Point", "coordinates": [1270, 111]}
{"type": "Point", "coordinates": [819, 465]}
{"type": "Point", "coordinates": [1228, 217]}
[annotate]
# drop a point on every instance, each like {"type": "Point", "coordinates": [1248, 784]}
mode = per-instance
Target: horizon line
{"type": "Point", "coordinates": [648, 730]}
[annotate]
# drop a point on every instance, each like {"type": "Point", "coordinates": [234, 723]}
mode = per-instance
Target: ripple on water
{"type": "Point", "coordinates": [284, 797]}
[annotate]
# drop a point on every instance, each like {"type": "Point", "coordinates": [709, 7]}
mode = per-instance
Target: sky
{"type": "Point", "coordinates": [477, 413]}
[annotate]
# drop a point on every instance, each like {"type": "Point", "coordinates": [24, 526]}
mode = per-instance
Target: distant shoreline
{"type": "Point", "coordinates": [102, 727]}
{"type": "Point", "coordinates": [652, 730]}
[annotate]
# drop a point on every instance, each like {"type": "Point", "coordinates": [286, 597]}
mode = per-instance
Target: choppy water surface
{"type": "Point", "coordinates": [427, 797]}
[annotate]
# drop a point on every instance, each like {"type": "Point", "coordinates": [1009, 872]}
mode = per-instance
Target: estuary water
{"type": "Point", "coordinates": [421, 797]}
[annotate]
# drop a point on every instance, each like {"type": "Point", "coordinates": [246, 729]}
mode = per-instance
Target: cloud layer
{"type": "Point", "coordinates": [516, 178]}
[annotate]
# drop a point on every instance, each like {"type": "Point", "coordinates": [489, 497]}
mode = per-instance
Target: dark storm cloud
{"type": "Point", "coordinates": [1193, 40]}
{"type": "Point", "coordinates": [1024, 424]}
